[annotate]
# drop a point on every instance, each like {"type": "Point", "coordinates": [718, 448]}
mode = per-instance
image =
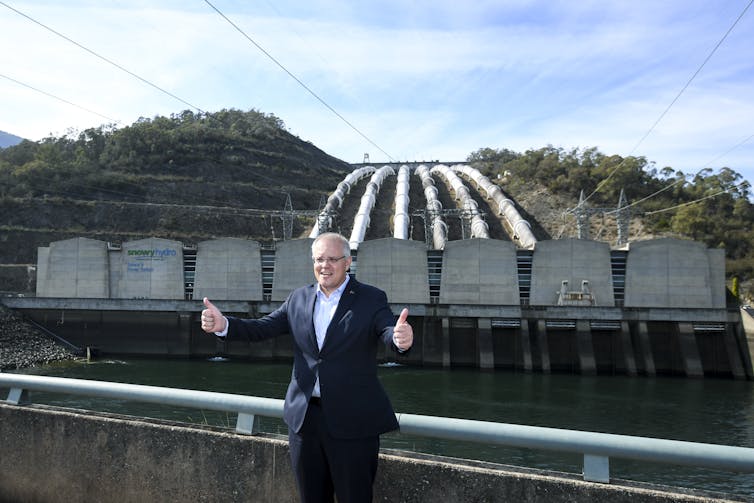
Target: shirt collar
{"type": "Point", "coordinates": [337, 292]}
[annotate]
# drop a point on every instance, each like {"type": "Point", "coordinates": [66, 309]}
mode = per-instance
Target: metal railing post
{"type": "Point", "coordinates": [247, 424]}
{"type": "Point", "coordinates": [18, 396]}
{"type": "Point", "coordinates": [596, 468]}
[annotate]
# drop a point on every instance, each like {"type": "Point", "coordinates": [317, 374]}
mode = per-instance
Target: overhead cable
{"type": "Point", "coordinates": [698, 70]}
{"type": "Point", "coordinates": [731, 149]}
{"type": "Point", "coordinates": [682, 180]}
{"type": "Point", "coordinates": [688, 203]}
{"type": "Point", "coordinates": [299, 81]}
{"type": "Point", "coordinates": [103, 58]}
{"type": "Point", "coordinates": [662, 115]}
{"type": "Point", "coordinates": [59, 98]}
{"type": "Point", "coordinates": [667, 187]}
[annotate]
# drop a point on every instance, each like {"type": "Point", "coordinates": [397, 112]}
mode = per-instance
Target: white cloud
{"type": "Point", "coordinates": [422, 79]}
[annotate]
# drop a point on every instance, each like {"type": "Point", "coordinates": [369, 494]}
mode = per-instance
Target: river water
{"type": "Point", "coordinates": [718, 411]}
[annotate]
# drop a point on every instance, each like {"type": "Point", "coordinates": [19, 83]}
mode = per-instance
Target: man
{"type": "Point", "coordinates": [335, 407]}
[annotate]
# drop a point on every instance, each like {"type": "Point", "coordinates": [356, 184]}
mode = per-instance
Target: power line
{"type": "Point", "coordinates": [683, 180]}
{"type": "Point", "coordinates": [137, 199]}
{"type": "Point", "coordinates": [103, 58]}
{"type": "Point", "coordinates": [698, 70]}
{"type": "Point", "coordinates": [662, 115]}
{"type": "Point", "coordinates": [688, 203]}
{"type": "Point", "coordinates": [113, 63]}
{"type": "Point", "coordinates": [59, 98]}
{"type": "Point", "coordinates": [178, 98]}
{"type": "Point", "coordinates": [731, 149]}
{"type": "Point", "coordinates": [299, 81]}
{"type": "Point", "coordinates": [231, 210]}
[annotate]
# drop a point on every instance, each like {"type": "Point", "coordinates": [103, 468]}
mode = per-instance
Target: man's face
{"type": "Point", "coordinates": [330, 266]}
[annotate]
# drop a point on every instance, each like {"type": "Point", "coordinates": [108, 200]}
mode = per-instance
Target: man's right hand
{"type": "Point", "coordinates": [212, 319]}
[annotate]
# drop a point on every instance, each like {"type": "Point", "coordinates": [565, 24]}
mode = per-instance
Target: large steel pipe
{"type": "Point", "coordinates": [479, 228]}
{"type": "Point", "coordinates": [521, 228]}
{"type": "Point", "coordinates": [361, 222]}
{"type": "Point", "coordinates": [336, 198]}
{"type": "Point", "coordinates": [434, 207]}
{"type": "Point", "coordinates": [400, 219]}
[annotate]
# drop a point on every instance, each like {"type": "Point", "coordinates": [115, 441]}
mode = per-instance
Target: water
{"type": "Point", "coordinates": [699, 410]}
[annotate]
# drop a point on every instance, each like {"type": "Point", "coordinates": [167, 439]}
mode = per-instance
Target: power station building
{"type": "Point", "coordinates": [656, 306]}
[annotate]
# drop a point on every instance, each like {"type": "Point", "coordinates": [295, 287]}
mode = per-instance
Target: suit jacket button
{"type": "Point", "coordinates": [319, 360]}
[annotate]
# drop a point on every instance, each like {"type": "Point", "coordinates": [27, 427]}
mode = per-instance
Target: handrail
{"type": "Point", "coordinates": [600, 445]}
{"type": "Point", "coordinates": [597, 448]}
{"type": "Point", "coordinates": [247, 407]}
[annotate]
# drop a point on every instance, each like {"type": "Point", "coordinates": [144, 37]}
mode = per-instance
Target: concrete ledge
{"type": "Point", "coordinates": [54, 455]}
{"type": "Point", "coordinates": [416, 478]}
{"type": "Point", "coordinates": [50, 454]}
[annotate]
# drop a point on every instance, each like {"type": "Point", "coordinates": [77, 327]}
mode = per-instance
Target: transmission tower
{"type": "Point", "coordinates": [622, 216]}
{"type": "Point", "coordinates": [429, 217]}
{"type": "Point", "coordinates": [287, 218]}
{"type": "Point", "coordinates": [581, 212]}
{"type": "Point", "coordinates": [623, 219]}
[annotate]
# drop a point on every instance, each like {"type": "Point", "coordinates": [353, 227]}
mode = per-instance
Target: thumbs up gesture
{"type": "Point", "coordinates": [403, 334]}
{"type": "Point", "coordinates": [212, 319]}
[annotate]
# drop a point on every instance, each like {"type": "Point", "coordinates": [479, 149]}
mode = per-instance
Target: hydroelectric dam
{"type": "Point", "coordinates": [442, 240]}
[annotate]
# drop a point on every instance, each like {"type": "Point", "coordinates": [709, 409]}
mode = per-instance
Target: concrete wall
{"type": "Point", "coordinates": [663, 273]}
{"type": "Point", "coordinates": [397, 266]}
{"type": "Point", "coordinates": [572, 260]}
{"type": "Point", "coordinates": [228, 269]}
{"type": "Point", "coordinates": [115, 257]}
{"type": "Point", "coordinates": [75, 267]}
{"type": "Point", "coordinates": [717, 276]}
{"type": "Point", "coordinates": [674, 273]}
{"type": "Point", "coordinates": [150, 268]}
{"type": "Point", "coordinates": [53, 455]}
{"type": "Point", "coordinates": [479, 271]}
{"type": "Point", "coordinates": [43, 257]}
{"type": "Point", "coordinates": [293, 267]}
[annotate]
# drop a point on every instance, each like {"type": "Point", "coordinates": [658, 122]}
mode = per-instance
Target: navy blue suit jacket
{"type": "Point", "coordinates": [354, 402]}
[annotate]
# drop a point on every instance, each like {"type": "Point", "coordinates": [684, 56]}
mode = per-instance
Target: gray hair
{"type": "Point", "coordinates": [333, 236]}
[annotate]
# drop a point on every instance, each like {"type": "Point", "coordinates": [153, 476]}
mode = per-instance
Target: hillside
{"type": "Point", "coordinates": [189, 177]}
{"type": "Point", "coordinates": [192, 177]}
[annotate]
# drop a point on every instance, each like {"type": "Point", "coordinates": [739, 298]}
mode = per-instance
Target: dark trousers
{"type": "Point", "coordinates": [325, 466]}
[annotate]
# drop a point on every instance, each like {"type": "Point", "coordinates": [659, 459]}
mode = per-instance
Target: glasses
{"type": "Point", "coordinates": [328, 260]}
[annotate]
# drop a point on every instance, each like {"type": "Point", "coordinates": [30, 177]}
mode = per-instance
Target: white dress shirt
{"type": "Point", "coordinates": [324, 310]}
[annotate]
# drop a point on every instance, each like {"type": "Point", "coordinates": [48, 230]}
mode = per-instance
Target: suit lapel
{"type": "Point", "coordinates": [344, 305]}
{"type": "Point", "coordinates": [312, 336]}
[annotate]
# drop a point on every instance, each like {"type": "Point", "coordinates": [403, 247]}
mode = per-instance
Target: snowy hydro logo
{"type": "Point", "coordinates": [142, 260]}
{"type": "Point", "coordinates": [153, 253]}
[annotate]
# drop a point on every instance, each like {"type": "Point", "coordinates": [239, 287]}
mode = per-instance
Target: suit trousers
{"type": "Point", "coordinates": [325, 466]}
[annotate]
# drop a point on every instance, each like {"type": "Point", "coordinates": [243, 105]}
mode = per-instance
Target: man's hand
{"type": "Point", "coordinates": [403, 334]}
{"type": "Point", "coordinates": [212, 319]}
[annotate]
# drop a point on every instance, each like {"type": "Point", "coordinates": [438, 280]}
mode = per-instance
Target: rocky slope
{"type": "Point", "coordinates": [22, 345]}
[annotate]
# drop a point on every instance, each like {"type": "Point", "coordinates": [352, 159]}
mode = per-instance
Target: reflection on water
{"type": "Point", "coordinates": [700, 410]}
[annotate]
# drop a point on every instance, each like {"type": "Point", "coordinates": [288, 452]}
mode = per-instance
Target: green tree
{"type": "Point", "coordinates": [491, 162]}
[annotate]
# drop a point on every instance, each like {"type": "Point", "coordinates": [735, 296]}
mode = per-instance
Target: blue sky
{"type": "Point", "coordinates": [423, 80]}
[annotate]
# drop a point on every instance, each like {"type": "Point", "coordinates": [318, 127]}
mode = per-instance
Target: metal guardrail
{"type": "Point", "coordinates": [596, 448]}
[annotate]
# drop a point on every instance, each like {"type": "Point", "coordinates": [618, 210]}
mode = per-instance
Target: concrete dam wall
{"type": "Point", "coordinates": [652, 307]}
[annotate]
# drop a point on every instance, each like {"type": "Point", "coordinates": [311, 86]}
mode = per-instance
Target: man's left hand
{"type": "Point", "coordinates": [403, 334]}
